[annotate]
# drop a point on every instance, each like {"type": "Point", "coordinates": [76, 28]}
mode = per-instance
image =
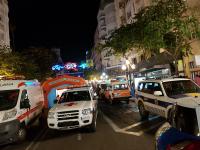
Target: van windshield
{"type": "Point", "coordinates": [176, 88]}
{"type": "Point", "coordinates": [75, 96]}
{"type": "Point", "coordinates": [8, 99]}
{"type": "Point", "coordinates": [120, 87]}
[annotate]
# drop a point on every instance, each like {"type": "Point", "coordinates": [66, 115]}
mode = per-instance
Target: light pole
{"type": "Point", "coordinates": [127, 66]}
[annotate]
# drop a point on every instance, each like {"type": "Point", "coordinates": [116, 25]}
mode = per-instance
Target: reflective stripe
{"type": "Point", "coordinates": [26, 114]}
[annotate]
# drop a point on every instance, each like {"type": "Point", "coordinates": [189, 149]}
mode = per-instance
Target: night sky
{"type": "Point", "coordinates": [66, 24]}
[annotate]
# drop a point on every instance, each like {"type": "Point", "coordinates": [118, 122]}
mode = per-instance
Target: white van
{"type": "Point", "coordinates": [21, 102]}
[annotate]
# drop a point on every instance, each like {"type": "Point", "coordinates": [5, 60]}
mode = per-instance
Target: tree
{"type": "Point", "coordinates": [43, 58]}
{"type": "Point", "coordinates": [165, 24]}
{"type": "Point", "coordinates": [14, 64]}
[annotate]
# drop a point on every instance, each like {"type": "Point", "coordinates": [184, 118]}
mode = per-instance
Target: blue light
{"type": "Point", "coordinates": [57, 67]}
{"type": "Point", "coordinates": [83, 65]}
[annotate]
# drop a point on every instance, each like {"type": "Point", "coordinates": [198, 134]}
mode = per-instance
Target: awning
{"type": "Point", "coordinates": [160, 59]}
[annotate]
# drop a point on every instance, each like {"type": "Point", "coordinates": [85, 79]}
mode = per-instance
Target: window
{"type": "Point", "coordinates": [8, 99]}
{"type": "Point", "coordinates": [75, 96]}
{"type": "Point", "coordinates": [157, 87]}
{"type": "Point", "coordinates": [178, 89]}
{"type": "Point", "coordinates": [148, 88]}
{"type": "Point", "coordinates": [141, 86]}
{"type": "Point", "coordinates": [120, 87]}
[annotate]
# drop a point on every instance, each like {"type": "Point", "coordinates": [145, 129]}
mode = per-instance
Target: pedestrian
{"type": "Point", "coordinates": [57, 99]}
{"type": "Point", "coordinates": [197, 79]}
{"type": "Point", "coordinates": [133, 89]}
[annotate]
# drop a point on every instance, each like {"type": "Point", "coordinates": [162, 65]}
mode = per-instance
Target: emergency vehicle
{"type": "Point", "coordinates": [159, 96]}
{"type": "Point", "coordinates": [76, 108]}
{"type": "Point", "coordinates": [21, 103]}
{"type": "Point", "coordinates": [118, 91]}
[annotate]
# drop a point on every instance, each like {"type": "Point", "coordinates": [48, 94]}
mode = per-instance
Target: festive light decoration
{"type": "Point", "coordinates": [83, 65]}
{"type": "Point", "coordinates": [57, 67]}
{"type": "Point", "coordinates": [71, 66]}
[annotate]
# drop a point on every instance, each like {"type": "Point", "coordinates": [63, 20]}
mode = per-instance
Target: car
{"type": "Point", "coordinates": [159, 96]}
{"type": "Point", "coordinates": [76, 108]}
{"type": "Point", "coordinates": [118, 91]}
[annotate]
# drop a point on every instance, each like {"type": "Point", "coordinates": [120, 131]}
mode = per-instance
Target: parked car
{"type": "Point", "coordinates": [21, 102]}
{"type": "Point", "coordinates": [118, 91]}
{"type": "Point", "coordinates": [159, 96]}
{"type": "Point", "coordinates": [76, 108]}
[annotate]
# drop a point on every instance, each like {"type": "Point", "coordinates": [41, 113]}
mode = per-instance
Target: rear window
{"type": "Point", "coordinates": [120, 86]}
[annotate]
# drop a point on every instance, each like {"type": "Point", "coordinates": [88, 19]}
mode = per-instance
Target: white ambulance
{"type": "Point", "coordinates": [21, 103]}
{"type": "Point", "coordinates": [76, 108]}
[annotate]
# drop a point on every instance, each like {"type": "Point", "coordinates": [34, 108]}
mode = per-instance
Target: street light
{"type": "Point", "coordinates": [124, 67]}
{"type": "Point", "coordinates": [127, 67]}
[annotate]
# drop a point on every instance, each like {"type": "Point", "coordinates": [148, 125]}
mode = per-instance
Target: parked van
{"type": "Point", "coordinates": [21, 103]}
{"type": "Point", "coordinates": [118, 91]}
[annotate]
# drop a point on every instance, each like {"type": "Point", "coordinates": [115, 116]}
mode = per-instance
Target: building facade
{"type": "Point", "coordinates": [125, 11]}
{"type": "Point", "coordinates": [4, 23]}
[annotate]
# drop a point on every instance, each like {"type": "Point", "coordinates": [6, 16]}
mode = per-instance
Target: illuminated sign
{"type": "Point", "coordinates": [71, 66]}
{"type": "Point", "coordinates": [57, 67]}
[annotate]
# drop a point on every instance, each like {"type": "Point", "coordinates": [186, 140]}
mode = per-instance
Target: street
{"type": "Point", "coordinates": [118, 127]}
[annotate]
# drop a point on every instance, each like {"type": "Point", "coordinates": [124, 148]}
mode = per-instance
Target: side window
{"type": "Point", "coordinates": [157, 87]}
{"type": "Point", "coordinates": [140, 86]}
{"type": "Point", "coordinates": [24, 95]}
{"type": "Point", "coordinates": [24, 101]}
{"type": "Point", "coordinates": [149, 88]}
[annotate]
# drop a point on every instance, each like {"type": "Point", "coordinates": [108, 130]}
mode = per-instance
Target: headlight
{"type": "Point", "coordinates": [86, 111]}
{"type": "Point", "coordinates": [9, 114]}
{"type": "Point", "coordinates": [51, 115]}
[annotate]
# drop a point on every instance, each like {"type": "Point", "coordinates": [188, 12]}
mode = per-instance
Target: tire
{"type": "Point", "coordinates": [92, 126]}
{"type": "Point", "coordinates": [21, 134]}
{"type": "Point", "coordinates": [143, 113]}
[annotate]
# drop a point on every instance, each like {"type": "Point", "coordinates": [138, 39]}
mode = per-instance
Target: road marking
{"type": "Point", "coordinates": [35, 139]}
{"type": "Point", "coordinates": [38, 143]}
{"type": "Point", "coordinates": [139, 123]}
{"type": "Point", "coordinates": [111, 123]}
{"type": "Point", "coordinates": [139, 133]}
{"type": "Point", "coordinates": [79, 137]}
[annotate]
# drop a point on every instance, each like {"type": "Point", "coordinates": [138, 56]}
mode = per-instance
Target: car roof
{"type": "Point", "coordinates": [165, 80]}
{"type": "Point", "coordinates": [78, 89]}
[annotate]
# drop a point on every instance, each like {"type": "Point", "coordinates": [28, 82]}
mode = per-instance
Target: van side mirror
{"type": "Point", "coordinates": [25, 104]}
{"type": "Point", "coordinates": [157, 93]}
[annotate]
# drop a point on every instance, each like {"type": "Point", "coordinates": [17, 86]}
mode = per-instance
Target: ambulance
{"type": "Point", "coordinates": [21, 103]}
{"type": "Point", "coordinates": [118, 91]}
{"type": "Point", "coordinates": [76, 108]}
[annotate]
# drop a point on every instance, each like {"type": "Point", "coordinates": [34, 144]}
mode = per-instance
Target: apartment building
{"type": "Point", "coordinates": [4, 23]}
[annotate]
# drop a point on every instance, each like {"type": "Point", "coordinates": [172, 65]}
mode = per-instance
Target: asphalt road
{"type": "Point", "coordinates": [118, 127]}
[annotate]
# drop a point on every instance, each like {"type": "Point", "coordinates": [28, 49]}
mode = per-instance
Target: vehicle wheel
{"type": "Point", "coordinates": [21, 135]}
{"type": "Point", "coordinates": [92, 127]}
{"type": "Point", "coordinates": [143, 113]}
